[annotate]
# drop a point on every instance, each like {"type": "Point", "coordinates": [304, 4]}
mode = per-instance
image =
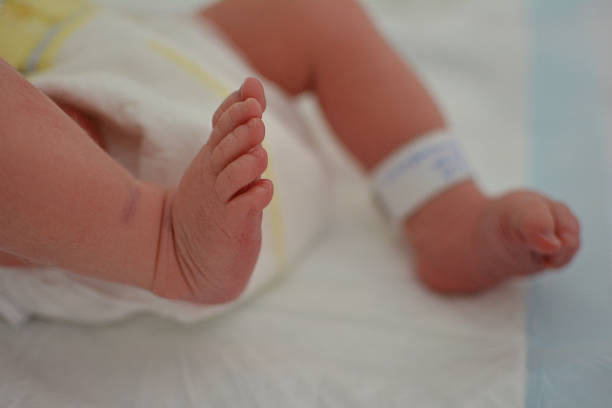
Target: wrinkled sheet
{"type": "Point", "coordinates": [349, 326]}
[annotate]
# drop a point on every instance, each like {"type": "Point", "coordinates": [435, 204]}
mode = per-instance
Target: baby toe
{"type": "Point", "coordinates": [231, 99]}
{"type": "Point", "coordinates": [250, 88]}
{"type": "Point", "coordinates": [571, 245]}
{"type": "Point", "coordinates": [235, 115]}
{"type": "Point", "coordinates": [241, 172]}
{"type": "Point", "coordinates": [536, 226]}
{"type": "Point", "coordinates": [237, 142]}
{"type": "Point", "coordinates": [561, 259]}
{"type": "Point", "coordinates": [566, 223]}
{"type": "Point", "coordinates": [567, 229]}
{"type": "Point", "coordinates": [252, 199]}
{"type": "Point", "coordinates": [566, 237]}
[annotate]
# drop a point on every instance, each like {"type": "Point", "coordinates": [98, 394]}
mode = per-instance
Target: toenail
{"type": "Point", "coordinates": [551, 239]}
{"type": "Point", "coordinates": [252, 123]}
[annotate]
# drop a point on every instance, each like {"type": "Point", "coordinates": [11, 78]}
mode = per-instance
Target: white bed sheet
{"type": "Point", "coordinates": [349, 326]}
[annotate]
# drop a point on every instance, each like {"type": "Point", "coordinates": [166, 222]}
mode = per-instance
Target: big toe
{"type": "Point", "coordinates": [239, 175]}
{"type": "Point", "coordinates": [534, 224]}
{"type": "Point", "coordinates": [253, 88]}
{"type": "Point", "coordinates": [250, 88]}
{"type": "Point", "coordinates": [548, 229]}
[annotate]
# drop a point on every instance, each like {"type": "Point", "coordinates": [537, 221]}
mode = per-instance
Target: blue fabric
{"type": "Point", "coordinates": [569, 323]}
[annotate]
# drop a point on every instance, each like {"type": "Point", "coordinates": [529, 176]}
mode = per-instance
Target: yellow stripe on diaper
{"type": "Point", "coordinates": [31, 31]}
{"type": "Point", "coordinates": [191, 67]}
{"type": "Point", "coordinates": [20, 33]}
{"type": "Point", "coordinates": [48, 55]}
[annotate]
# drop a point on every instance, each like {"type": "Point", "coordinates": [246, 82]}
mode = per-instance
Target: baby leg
{"type": "Point", "coordinates": [89, 126]}
{"type": "Point", "coordinates": [463, 241]}
{"type": "Point", "coordinates": [65, 202]}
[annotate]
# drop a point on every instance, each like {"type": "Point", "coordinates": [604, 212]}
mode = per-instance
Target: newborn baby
{"type": "Point", "coordinates": [65, 202]}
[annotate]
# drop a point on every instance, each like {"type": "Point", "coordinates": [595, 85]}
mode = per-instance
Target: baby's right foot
{"type": "Point", "coordinates": [464, 242]}
{"type": "Point", "coordinates": [212, 222]}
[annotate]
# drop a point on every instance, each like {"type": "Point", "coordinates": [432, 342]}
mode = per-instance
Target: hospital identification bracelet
{"type": "Point", "coordinates": [415, 173]}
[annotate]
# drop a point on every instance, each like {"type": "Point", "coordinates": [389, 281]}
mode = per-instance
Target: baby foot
{"type": "Point", "coordinates": [464, 242]}
{"type": "Point", "coordinates": [214, 217]}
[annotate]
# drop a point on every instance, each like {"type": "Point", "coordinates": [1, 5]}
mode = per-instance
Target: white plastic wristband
{"type": "Point", "coordinates": [415, 173]}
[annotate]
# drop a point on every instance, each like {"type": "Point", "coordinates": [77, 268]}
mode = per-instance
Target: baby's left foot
{"type": "Point", "coordinates": [465, 242]}
{"type": "Point", "coordinates": [211, 233]}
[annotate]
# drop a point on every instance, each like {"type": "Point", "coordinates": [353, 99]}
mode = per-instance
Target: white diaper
{"type": "Point", "coordinates": [155, 82]}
